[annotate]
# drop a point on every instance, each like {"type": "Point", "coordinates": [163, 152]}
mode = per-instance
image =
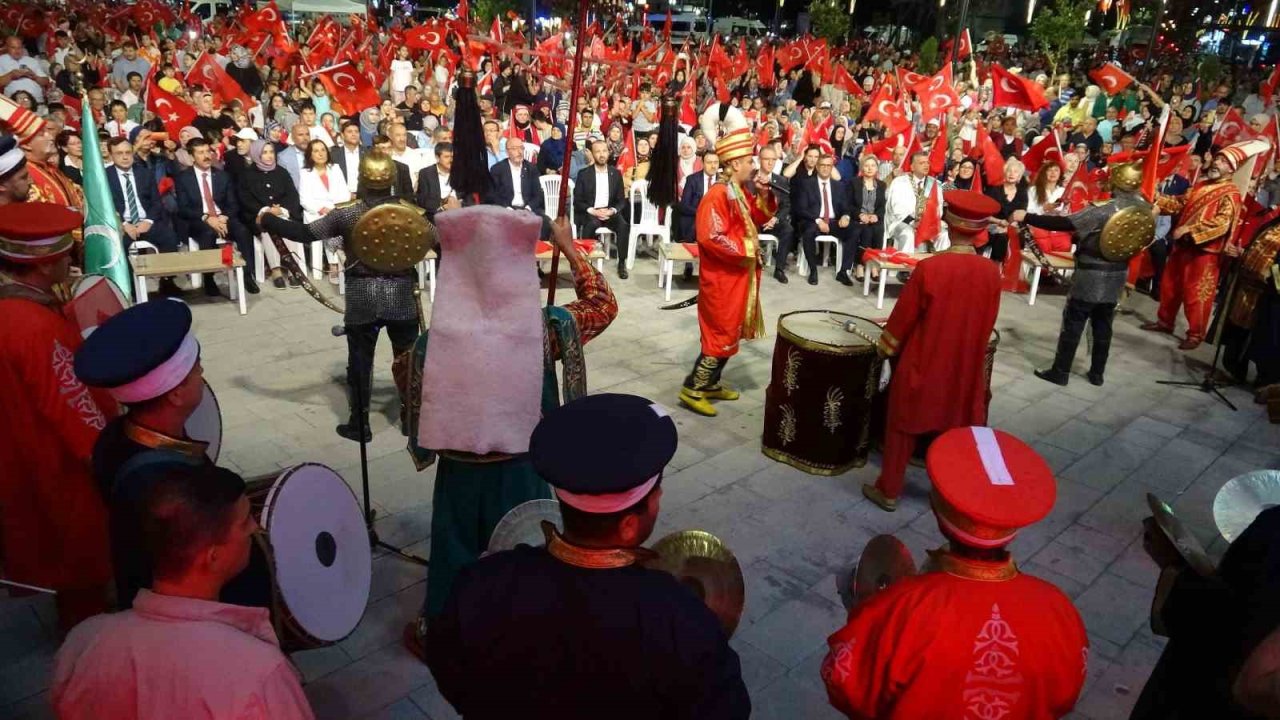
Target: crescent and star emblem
{"type": "Point", "coordinates": [349, 85]}
{"type": "Point", "coordinates": [1108, 81]}
{"type": "Point", "coordinates": [432, 37]}
{"type": "Point", "coordinates": [111, 235]}
{"type": "Point", "coordinates": [1007, 86]}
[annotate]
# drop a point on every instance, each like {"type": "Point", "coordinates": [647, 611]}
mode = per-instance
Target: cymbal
{"type": "Point", "coordinates": [884, 561]}
{"type": "Point", "coordinates": [522, 525]}
{"type": "Point", "coordinates": [1240, 500]}
{"type": "Point", "coordinates": [1187, 545]}
{"type": "Point", "coordinates": [700, 561]}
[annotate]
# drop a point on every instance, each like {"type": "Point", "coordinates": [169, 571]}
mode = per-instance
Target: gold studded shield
{"type": "Point", "coordinates": [1127, 233]}
{"type": "Point", "coordinates": [392, 237]}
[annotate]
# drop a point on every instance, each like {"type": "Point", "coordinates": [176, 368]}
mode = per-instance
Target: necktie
{"type": "Point", "coordinates": [826, 203]}
{"type": "Point", "coordinates": [210, 205]}
{"type": "Point", "coordinates": [130, 198]}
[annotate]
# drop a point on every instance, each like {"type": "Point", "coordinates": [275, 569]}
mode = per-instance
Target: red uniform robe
{"type": "Point", "coordinates": [53, 521]}
{"type": "Point", "coordinates": [729, 270]}
{"type": "Point", "coordinates": [939, 330]}
{"type": "Point", "coordinates": [973, 641]}
{"type": "Point", "coordinates": [1210, 212]}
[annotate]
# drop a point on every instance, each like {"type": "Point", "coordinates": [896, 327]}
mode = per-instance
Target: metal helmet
{"type": "Point", "coordinates": [377, 170]}
{"type": "Point", "coordinates": [1126, 177]}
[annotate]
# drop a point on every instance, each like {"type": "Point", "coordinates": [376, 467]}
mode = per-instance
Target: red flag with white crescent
{"type": "Point", "coordinates": [1009, 90]}
{"type": "Point", "coordinates": [966, 45]}
{"type": "Point", "coordinates": [937, 94]}
{"type": "Point", "coordinates": [264, 19]}
{"type": "Point", "coordinates": [351, 89]}
{"type": "Point", "coordinates": [1111, 78]}
{"type": "Point", "coordinates": [207, 72]}
{"type": "Point", "coordinates": [427, 36]}
{"type": "Point", "coordinates": [843, 80]}
{"type": "Point", "coordinates": [887, 111]}
{"type": "Point", "coordinates": [174, 113]}
{"type": "Point", "coordinates": [1232, 129]}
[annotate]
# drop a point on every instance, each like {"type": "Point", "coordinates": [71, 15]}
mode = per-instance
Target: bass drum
{"type": "Point", "coordinates": [205, 424]}
{"type": "Point", "coordinates": [318, 563]}
{"type": "Point", "coordinates": [818, 404]}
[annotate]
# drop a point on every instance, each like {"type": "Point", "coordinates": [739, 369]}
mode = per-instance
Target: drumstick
{"type": "Point", "coordinates": [24, 586]}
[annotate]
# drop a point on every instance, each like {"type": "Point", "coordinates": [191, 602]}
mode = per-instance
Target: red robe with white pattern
{"type": "Point", "coordinates": [973, 641]}
{"type": "Point", "coordinates": [729, 271]}
{"type": "Point", "coordinates": [53, 521]}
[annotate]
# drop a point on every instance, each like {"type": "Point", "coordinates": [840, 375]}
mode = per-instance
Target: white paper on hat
{"type": "Point", "coordinates": [992, 457]}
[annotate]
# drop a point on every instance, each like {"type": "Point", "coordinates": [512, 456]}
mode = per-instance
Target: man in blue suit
{"type": "Point", "coordinates": [695, 188]}
{"type": "Point", "coordinates": [208, 204]}
{"type": "Point", "coordinates": [137, 200]}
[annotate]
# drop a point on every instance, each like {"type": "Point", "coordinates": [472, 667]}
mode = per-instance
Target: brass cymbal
{"type": "Point", "coordinates": [700, 561]}
{"type": "Point", "coordinates": [885, 560]}
{"type": "Point", "coordinates": [1186, 544]}
{"type": "Point", "coordinates": [522, 525]}
{"type": "Point", "coordinates": [1240, 500]}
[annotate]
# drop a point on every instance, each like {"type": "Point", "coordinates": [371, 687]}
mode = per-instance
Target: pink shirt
{"type": "Point", "coordinates": [174, 657]}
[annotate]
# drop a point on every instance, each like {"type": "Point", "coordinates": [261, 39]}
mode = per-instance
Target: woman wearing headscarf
{"type": "Point", "coordinates": [185, 135]}
{"type": "Point", "coordinates": [242, 70]}
{"type": "Point", "coordinates": [265, 187]}
{"type": "Point", "coordinates": [369, 125]}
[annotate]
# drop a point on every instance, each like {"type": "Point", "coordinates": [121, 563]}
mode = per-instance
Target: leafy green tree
{"type": "Point", "coordinates": [829, 19]}
{"type": "Point", "coordinates": [1058, 28]}
{"type": "Point", "coordinates": [929, 56]}
{"type": "Point", "coordinates": [486, 10]}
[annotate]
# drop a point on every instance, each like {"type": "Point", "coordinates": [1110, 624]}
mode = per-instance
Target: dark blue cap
{"type": "Point", "coordinates": [132, 344]}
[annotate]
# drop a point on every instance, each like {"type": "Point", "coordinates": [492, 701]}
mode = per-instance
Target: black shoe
{"type": "Point", "coordinates": [688, 272]}
{"type": "Point", "coordinates": [780, 276]}
{"type": "Point", "coordinates": [351, 430]}
{"type": "Point", "coordinates": [295, 281]}
{"type": "Point", "coordinates": [168, 288]}
{"type": "Point", "coordinates": [278, 281]}
{"type": "Point", "coordinates": [843, 278]}
{"type": "Point", "coordinates": [251, 285]}
{"type": "Point", "coordinates": [813, 277]}
{"type": "Point", "coordinates": [904, 276]}
{"type": "Point", "coordinates": [211, 287]}
{"type": "Point", "coordinates": [1095, 378]}
{"type": "Point", "coordinates": [622, 272]}
{"type": "Point", "coordinates": [1054, 376]}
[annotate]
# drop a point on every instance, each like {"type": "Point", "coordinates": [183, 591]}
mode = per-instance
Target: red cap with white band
{"type": "Point", "coordinates": [987, 484]}
{"type": "Point", "coordinates": [34, 232]}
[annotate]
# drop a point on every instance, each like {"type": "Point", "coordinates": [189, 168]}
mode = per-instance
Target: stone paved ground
{"type": "Point", "coordinates": [275, 373]}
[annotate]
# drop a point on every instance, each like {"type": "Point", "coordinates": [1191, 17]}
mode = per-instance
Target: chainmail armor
{"type": "Point", "coordinates": [1096, 279]}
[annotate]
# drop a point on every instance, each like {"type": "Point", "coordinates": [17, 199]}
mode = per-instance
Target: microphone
{"type": "Point", "coordinates": [338, 330]}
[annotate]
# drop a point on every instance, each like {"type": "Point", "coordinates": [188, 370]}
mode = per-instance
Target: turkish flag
{"type": "Point", "coordinates": [791, 55]}
{"type": "Point", "coordinates": [938, 153]}
{"type": "Point", "coordinates": [883, 149]}
{"type": "Point", "coordinates": [351, 89]}
{"type": "Point", "coordinates": [843, 80]}
{"type": "Point", "coordinates": [966, 45]}
{"type": "Point", "coordinates": [908, 79]}
{"type": "Point", "coordinates": [263, 20]}
{"type": "Point", "coordinates": [1111, 78]}
{"type": "Point", "coordinates": [688, 116]}
{"type": "Point", "coordinates": [764, 67]}
{"type": "Point", "coordinates": [1232, 129]}
{"type": "Point", "coordinates": [1011, 91]}
{"type": "Point", "coordinates": [1151, 168]}
{"type": "Point", "coordinates": [937, 94]}
{"type": "Point", "coordinates": [207, 72]}
{"type": "Point", "coordinates": [742, 61]}
{"type": "Point", "coordinates": [990, 157]}
{"type": "Point", "coordinates": [427, 36]}
{"type": "Point", "coordinates": [174, 113]}
{"type": "Point", "coordinates": [1268, 87]}
{"type": "Point", "coordinates": [722, 90]}
{"type": "Point", "coordinates": [819, 134]}
{"type": "Point", "coordinates": [1046, 149]}
{"type": "Point", "coordinates": [888, 112]}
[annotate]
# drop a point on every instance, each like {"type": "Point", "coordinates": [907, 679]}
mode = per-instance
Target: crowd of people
{"type": "Point", "coordinates": [777, 160]}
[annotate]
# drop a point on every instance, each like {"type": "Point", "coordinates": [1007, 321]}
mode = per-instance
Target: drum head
{"type": "Point", "coordinates": [1240, 501]}
{"type": "Point", "coordinates": [94, 300]}
{"type": "Point", "coordinates": [205, 424]}
{"type": "Point", "coordinates": [825, 329]}
{"type": "Point", "coordinates": [321, 550]}
{"type": "Point", "coordinates": [523, 525]}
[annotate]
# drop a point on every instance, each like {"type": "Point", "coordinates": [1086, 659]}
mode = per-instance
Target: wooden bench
{"type": "Point", "coordinates": [886, 268]}
{"type": "Point", "coordinates": [669, 254]}
{"type": "Point", "coordinates": [1031, 264]}
{"type": "Point", "coordinates": [596, 256]}
{"type": "Point", "coordinates": [193, 263]}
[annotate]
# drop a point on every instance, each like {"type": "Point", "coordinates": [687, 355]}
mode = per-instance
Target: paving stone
{"type": "Point", "coordinates": [1109, 463]}
{"type": "Point", "coordinates": [374, 682]}
{"type": "Point", "coordinates": [788, 698]}
{"type": "Point", "coordinates": [758, 669]}
{"type": "Point", "coordinates": [795, 628]}
{"type": "Point", "coordinates": [403, 709]}
{"type": "Point", "coordinates": [1114, 608]}
{"type": "Point", "coordinates": [1078, 436]}
{"type": "Point", "coordinates": [1070, 562]}
{"type": "Point", "coordinates": [315, 664]}
{"type": "Point", "coordinates": [1112, 697]}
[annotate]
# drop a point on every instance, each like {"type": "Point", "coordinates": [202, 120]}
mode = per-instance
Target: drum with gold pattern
{"type": "Point", "coordinates": [818, 404]}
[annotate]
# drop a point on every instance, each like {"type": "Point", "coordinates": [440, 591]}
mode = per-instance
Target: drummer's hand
{"type": "Point", "coordinates": [1232, 250]}
{"type": "Point", "coordinates": [563, 236]}
{"type": "Point", "coordinates": [452, 203]}
{"type": "Point", "coordinates": [1158, 546]}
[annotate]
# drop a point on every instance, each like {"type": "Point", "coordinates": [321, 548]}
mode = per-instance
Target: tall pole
{"type": "Point", "coordinates": [955, 39]}
{"type": "Point", "coordinates": [1155, 33]}
{"type": "Point", "coordinates": [575, 91]}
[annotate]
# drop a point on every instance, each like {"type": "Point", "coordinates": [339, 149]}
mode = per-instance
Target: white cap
{"type": "Point", "coordinates": [246, 134]}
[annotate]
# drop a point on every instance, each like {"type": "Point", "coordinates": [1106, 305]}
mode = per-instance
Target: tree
{"type": "Point", "coordinates": [929, 56]}
{"type": "Point", "coordinates": [486, 10]}
{"type": "Point", "coordinates": [1058, 28]}
{"type": "Point", "coordinates": [829, 20]}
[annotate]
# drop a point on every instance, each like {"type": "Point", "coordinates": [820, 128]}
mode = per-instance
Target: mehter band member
{"type": "Point", "coordinates": [578, 628]}
{"type": "Point", "coordinates": [974, 638]}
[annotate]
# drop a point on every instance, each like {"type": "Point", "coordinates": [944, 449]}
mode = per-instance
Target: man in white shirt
{"type": "Point", "coordinates": [133, 95]}
{"type": "Point", "coordinates": [906, 202]}
{"type": "Point", "coordinates": [307, 116]}
{"type": "Point", "coordinates": [415, 159]}
{"type": "Point", "coordinates": [19, 71]}
{"type": "Point", "coordinates": [347, 155]}
{"type": "Point", "coordinates": [599, 201]}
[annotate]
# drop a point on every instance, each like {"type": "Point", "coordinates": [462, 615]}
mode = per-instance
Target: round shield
{"type": "Point", "coordinates": [884, 561]}
{"type": "Point", "coordinates": [1126, 234]}
{"type": "Point", "coordinates": [1240, 500]}
{"type": "Point", "coordinates": [205, 424]}
{"type": "Point", "coordinates": [522, 525]}
{"type": "Point", "coordinates": [1187, 545]}
{"type": "Point", "coordinates": [320, 548]}
{"type": "Point", "coordinates": [392, 237]}
{"type": "Point", "coordinates": [94, 299]}
{"type": "Point", "coordinates": [701, 562]}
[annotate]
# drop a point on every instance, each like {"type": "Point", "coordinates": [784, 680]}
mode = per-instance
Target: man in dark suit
{"type": "Point", "coordinates": [821, 208]}
{"type": "Point", "coordinates": [346, 155]}
{"type": "Point", "coordinates": [695, 187]}
{"type": "Point", "coordinates": [137, 201]}
{"type": "Point", "coordinates": [404, 178]}
{"type": "Point", "coordinates": [779, 225]}
{"type": "Point", "coordinates": [523, 195]}
{"type": "Point", "coordinates": [433, 182]}
{"type": "Point", "coordinates": [208, 204]}
{"type": "Point", "coordinates": [599, 202]}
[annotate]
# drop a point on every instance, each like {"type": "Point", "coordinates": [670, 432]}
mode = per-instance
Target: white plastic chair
{"type": "Point", "coordinates": [647, 226]}
{"type": "Point", "coordinates": [140, 282]}
{"type": "Point", "coordinates": [770, 242]}
{"type": "Point", "coordinates": [551, 196]}
{"type": "Point", "coordinates": [820, 241]}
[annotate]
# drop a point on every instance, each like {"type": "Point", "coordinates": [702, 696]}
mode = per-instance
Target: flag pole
{"type": "Point", "coordinates": [575, 91]}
